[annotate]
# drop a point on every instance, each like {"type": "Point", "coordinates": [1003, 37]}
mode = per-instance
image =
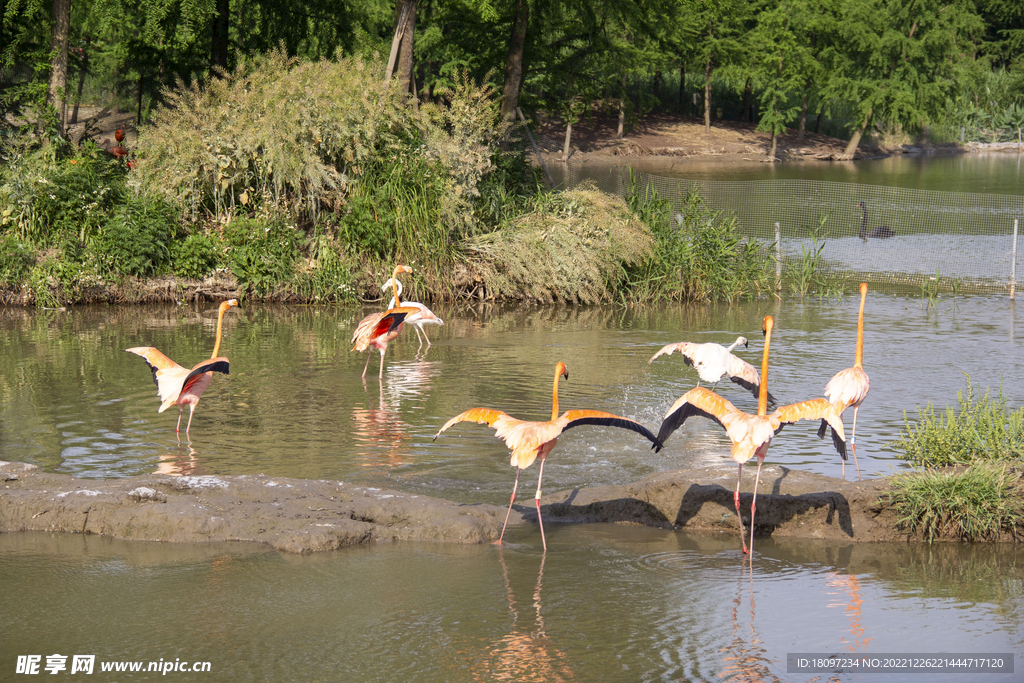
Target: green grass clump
{"type": "Point", "coordinates": [262, 252]}
{"type": "Point", "coordinates": [136, 240]}
{"type": "Point", "coordinates": [975, 504]}
{"type": "Point", "coordinates": [16, 260]}
{"type": "Point", "coordinates": [571, 248]}
{"type": "Point", "coordinates": [699, 254]}
{"type": "Point", "coordinates": [981, 429]}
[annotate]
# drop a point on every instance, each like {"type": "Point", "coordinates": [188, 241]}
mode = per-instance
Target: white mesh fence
{"type": "Point", "coordinates": [953, 240]}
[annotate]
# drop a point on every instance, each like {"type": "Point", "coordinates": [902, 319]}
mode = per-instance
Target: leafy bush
{"type": "Point", "coordinates": [16, 259]}
{"type": "Point", "coordinates": [195, 256]}
{"type": "Point", "coordinates": [262, 252]}
{"type": "Point", "coordinates": [698, 254]}
{"type": "Point", "coordinates": [572, 247]}
{"type": "Point", "coordinates": [55, 280]}
{"type": "Point", "coordinates": [329, 276]}
{"type": "Point", "coordinates": [975, 504]}
{"type": "Point", "coordinates": [983, 429]}
{"type": "Point", "coordinates": [136, 239]}
{"type": "Point", "coordinates": [52, 198]}
{"type": "Point", "coordinates": [276, 127]}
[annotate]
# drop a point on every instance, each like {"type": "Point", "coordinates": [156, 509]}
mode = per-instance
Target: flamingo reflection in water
{"type": "Point", "coordinates": [380, 432]}
{"type": "Point", "coordinates": [746, 660]}
{"type": "Point", "coordinates": [849, 585]}
{"type": "Point", "coordinates": [181, 464]}
{"type": "Point", "coordinates": [526, 654]}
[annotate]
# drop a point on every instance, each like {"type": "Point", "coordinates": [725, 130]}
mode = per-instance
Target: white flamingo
{"type": "Point", "coordinates": [424, 317]}
{"type": "Point", "coordinates": [714, 361]}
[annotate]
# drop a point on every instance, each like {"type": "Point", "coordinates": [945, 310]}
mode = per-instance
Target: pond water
{"type": "Point", "coordinates": [295, 405]}
{"type": "Point", "coordinates": [607, 602]}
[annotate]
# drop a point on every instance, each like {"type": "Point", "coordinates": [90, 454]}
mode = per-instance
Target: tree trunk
{"type": "Point", "coordinates": [405, 61]}
{"type": "Point", "coordinates": [514, 62]}
{"type": "Point", "coordinates": [707, 97]}
{"type": "Point", "coordinates": [622, 120]}
{"type": "Point", "coordinates": [656, 84]}
{"type": "Point", "coordinates": [568, 136]}
{"type": "Point", "coordinates": [802, 127]}
{"type": "Point", "coordinates": [682, 88]}
{"type": "Point", "coordinates": [747, 91]}
{"type": "Point", "coordinates": [817, 121]}
{"type": "Point", "coordinates": [219, 39]}
{"type": "Point", "coordinates": [78, 94]}
{"type": "Point", "coordinates": [59, 64]}
{"type": "Point", "coordinates": [857, 134]}
{"type": "Point", "coordinates": [138, 104]}
{"type": "Point", "coordinates": [774, 146]}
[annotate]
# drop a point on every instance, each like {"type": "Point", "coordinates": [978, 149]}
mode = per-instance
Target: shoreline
{"type": "Point", "coordinates": [305, 516]}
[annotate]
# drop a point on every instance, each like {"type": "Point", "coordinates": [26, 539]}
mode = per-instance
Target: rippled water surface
{"type": "Point", "coordinates": [607, 603]}
{"type": "Point", "coordinates": [295, 405]}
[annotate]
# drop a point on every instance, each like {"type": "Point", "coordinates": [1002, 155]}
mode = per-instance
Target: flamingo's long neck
{"type": "Point", "coordinates": [394, 286]}
{"type": "Point", "coordinates": [858, 360]}
{"type": "Point", "coordinates": [554, 394]}
{"type": "Point", "coordinates": [864, 223]}
{"type": "Point", "coordinates": [762, 396]}
{"type": "Point", "coordinates": [220, 326]}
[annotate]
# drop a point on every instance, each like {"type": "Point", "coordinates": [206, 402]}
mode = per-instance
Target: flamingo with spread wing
{"type": "Point", "coordinates": [532, 440]}
{"type": "Point", "coordinates": [178, 386]}
{"type": "Point", "coordinates": [751, 434]}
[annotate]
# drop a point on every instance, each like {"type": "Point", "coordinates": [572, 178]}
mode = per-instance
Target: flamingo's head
{"type": "Point", "coordinates": [228, 304]}
{"type": "Point", "coordinates": [863, 288]}
{"type": "Point", "coordinates": [861, 205]}
{"type": "Point", "coordinates": [561, 370]}
{"type": "Point", "coordinates": [769, 323]}
{"type": "Point", "coordinates": [742, 340]}
{"type": "Point", "coordinates": [401, 269]}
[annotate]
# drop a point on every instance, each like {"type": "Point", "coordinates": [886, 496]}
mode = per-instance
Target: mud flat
{"type": "Point", "coordinates": [299, 515]}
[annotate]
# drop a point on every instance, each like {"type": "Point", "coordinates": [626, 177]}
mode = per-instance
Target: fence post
{"type": "Point", "coordinates": [778, 258]}
{"type": "Point", "coordinates": [1013, 261]}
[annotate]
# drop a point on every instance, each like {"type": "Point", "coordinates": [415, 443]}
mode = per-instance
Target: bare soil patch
{"type": "Point", "coordinates": [678, 136]}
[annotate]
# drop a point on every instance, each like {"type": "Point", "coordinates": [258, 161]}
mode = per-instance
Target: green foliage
{"type": "Point", "coordinates": [195, 256]}
{"type": "Point", "coordinates": [136, 239]}
{"type": "Point", "coordinates": [262, 251]}
{"type": "Point", "coordinates": [975, 504]}
{"type": "Point", "coordinates": [698, 254]}
{"type": "Point", "coordinates": [279, 128]}
{"type": "Point", "coordinates": [981, 430]}
{"type": "Point", "coordinates": [16, 259]}
{"type": "Point", "coordinates": [573, 247]}
{"type": "Point", "coordinates": [56, 280]}
{"type": "Point", "coordinates": [56, 195]}
{"type": "Point", "coordinates": [329, 276]}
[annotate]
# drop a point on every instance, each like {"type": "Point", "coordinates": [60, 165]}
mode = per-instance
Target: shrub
{"type": "Point", "coordinates": [975, 504]}
{"type": "Point", "coordinates": [572, 247]}
{"type": "Point", "coordinates": [16, 260]}
{"type": "Point", "coordinates": [329, 276]}
{"type": "Point", "coordinates": [983, 429]}
{"type": "Point", "coordinates": [698, 254]}
{"type": "Point", "coordinates": [262, 252]}
{"type": "Point", "coordinates": [195, 256]}
{"type": "Point", "coordinates": [52, 199]}
{"type": "Point", "coordinates": [136, 239]}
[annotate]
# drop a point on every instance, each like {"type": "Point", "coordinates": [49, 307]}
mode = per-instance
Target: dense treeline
{"type": "Point", "coordinates": [297, 151]}
{"type": "Point", "coordinates": [892, 66]}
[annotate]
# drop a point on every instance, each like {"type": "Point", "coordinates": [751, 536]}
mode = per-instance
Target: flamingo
{"type": "Point", "coordinates": [751, 434]}
{"type": "Point", "coordinates": [714, 361]}
{"type": "Point", "coordinates": [849, 387]}
{"type": "Point", "coordinates": [178, 386]}
{"type": "Point", "coordinates": [378, 329]}
{"type": "Point", "coordinates": [417, 320]}
{"type": "Point", "coordinates": [532, 440]}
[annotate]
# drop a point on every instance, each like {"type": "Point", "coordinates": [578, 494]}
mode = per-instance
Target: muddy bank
{"type": "Point", "coordinates": [294, 515]}
{"type": "Point", "coordinates": [298, 515]}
